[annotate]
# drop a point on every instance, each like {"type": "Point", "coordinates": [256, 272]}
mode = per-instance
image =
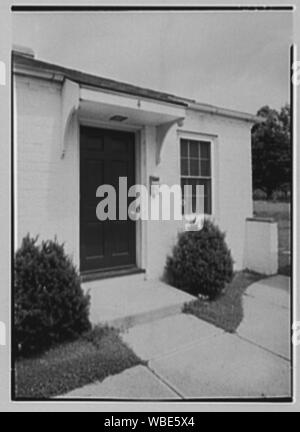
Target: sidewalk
{"type": "Point", "coordinates": [188, 358]}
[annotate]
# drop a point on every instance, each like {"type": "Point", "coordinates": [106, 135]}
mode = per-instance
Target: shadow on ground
{"type": "Point", "coordinates": [226, 311]}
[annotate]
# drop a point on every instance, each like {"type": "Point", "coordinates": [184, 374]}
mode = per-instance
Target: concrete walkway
{"type": "Point", "coordinates": [188, 358]}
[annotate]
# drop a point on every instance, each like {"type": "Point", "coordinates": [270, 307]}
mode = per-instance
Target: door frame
{"type": "Point", "coordinates": [140, 177]}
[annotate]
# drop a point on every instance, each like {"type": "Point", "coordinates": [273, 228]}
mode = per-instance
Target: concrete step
{"type": "Point", "coordinates": [127, 301]}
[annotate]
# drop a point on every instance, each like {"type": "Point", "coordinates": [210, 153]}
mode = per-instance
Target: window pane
{"type": "Point", "coordinates": [183, 182]}
{"type": "Point", "coordinates": [205, 168]}
{"type": "Point", "coordinates": [196, 199]}
{"type": "Point", "coordinates": [207, 199]}
{"type": "Point", "coordinates": [193, 183]}
{"type": "Point", "coordinates": [194, 204]}
{"type": "Point", "coordinates": [194, 167]}
{"type": "Point", "coordinates": [205, 150]}
{"type": "Point", "coordinates": [184, 166]}
{"type": "Point", "coordinates": [184, 148]}
{"type": "Point", "coordinates": [207, 205]}
{"type": "Point", "coordinates": [194, 149]}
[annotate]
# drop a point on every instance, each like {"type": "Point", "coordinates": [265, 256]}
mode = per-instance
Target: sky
{"type": "Point", "coordinates": [237, 60]}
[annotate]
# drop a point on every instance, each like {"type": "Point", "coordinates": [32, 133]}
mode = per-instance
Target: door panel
{"type": "Point", "coordinates": [105, 156]}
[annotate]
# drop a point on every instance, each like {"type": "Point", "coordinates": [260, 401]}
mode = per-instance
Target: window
{"type": "Point", "coordinates": [195, 158]}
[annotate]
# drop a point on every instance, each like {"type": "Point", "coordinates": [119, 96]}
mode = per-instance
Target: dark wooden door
{"type": "Point", "coordinates": [105, 155]}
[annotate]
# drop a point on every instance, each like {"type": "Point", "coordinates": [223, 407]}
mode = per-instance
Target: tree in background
{"type": "Point", "coordinates": [271, 151]}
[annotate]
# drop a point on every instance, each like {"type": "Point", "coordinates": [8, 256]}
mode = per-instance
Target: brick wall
{"type": "Point", "coordinates": [48, 186]}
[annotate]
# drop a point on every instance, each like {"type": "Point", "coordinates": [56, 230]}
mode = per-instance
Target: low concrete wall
{"type": "Point", "coordinates": [261, 247]}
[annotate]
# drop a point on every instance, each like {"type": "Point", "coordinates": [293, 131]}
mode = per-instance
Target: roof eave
{"type": "Point", "coordinates": [38, 67]}
{"type": "Point", "coordinates": [224, 112]}
{"type": "Point", "coordinates": [25, 64]}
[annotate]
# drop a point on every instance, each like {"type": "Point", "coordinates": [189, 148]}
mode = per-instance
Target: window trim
{"type": "Point", "coordinates": [195, 136]}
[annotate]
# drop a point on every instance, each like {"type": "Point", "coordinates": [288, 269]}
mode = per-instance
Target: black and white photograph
{"type": "Point", "coordinates": [152, 207]}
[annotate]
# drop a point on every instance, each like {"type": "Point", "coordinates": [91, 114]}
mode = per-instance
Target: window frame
{"type": "Point", "coordinates": [194, 136]}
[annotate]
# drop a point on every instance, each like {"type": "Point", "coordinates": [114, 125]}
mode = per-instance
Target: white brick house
{"type": "Point", "coordinates": [68, 136]}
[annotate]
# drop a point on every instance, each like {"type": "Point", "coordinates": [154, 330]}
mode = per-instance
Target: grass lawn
{"type": "Point", "coordinates": [93, 357]}
{"type": "Point", "coordinates": [226, 311]}
{"type": "Point", "coordinates": [281, 213]}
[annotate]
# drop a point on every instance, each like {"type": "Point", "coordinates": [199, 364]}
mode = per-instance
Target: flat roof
{"type": "Point", "coordinates": [26, 60]}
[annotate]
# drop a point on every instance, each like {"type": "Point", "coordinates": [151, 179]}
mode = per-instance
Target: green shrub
{"type": "Point", "coordinates": [201, 262]}
{"type": "Point", "coordinates": [259, 195]}
{"type": "Point", "coordinates": [49, 304]}
{"type": "Point", "coordinates": [280, 196]}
